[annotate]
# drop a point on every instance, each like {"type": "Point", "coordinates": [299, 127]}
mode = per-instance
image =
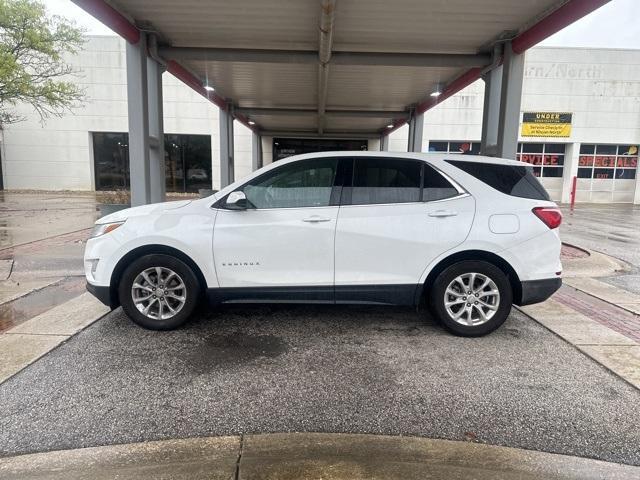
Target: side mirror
{"type": "Point", "coordinates": [236, 201]}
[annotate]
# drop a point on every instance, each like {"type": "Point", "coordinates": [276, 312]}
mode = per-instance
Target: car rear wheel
{"type": "Point", "coordinates": [158, 292]}
{"type": "Point", "coordinates": [471, 298]}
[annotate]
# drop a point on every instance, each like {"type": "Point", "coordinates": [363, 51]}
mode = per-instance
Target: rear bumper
{"type": "Point", "coordinates": [103, 294]}
{"type": "Point", "coordinates": [536, 291]}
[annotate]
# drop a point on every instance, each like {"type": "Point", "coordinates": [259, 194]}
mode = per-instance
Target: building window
{"type": "Point", "coordinates": [111, 161]}
{"type": "Point", "coordinates": [449, 146]}
{"type": "Point", "coordinates": [547, 158]}
{"type": "Point", "coordinates": [187, 161]}
{"type": "Point", "coordinates": [608, 161]}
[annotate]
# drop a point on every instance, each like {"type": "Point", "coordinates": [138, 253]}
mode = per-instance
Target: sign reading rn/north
{"type": "Point", "coordinates": [546, 124]}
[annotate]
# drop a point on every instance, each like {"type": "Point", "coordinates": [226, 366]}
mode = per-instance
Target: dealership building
{"type": "Point", "coordinates": [580, 117]}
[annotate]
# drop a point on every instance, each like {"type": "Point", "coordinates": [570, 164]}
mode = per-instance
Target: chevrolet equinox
{"type": "Point", "coordinates": [469, 236]}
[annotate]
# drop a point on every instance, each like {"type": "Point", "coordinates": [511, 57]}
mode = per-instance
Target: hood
{"type": "Point", "coordinates": [151, 209]}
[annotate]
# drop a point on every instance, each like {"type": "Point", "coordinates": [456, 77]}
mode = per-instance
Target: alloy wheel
{"type": "Point", "coordinates": [158, 293]}
{"type": "Point", "coordinates": [471, 299]}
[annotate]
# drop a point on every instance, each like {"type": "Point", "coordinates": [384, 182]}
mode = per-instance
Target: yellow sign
{"type": "Point", "coordinates": [546, 124]}
{"type": "Point", "coordinates": [546, 130]}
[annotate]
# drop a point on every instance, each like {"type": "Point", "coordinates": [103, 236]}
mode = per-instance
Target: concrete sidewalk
{"type": "Point", "coordinates": [29, 217]}
{"type": "Point", "coordinates": [25, 343]}
{"type": "Point", "coordinates": [308, 456]}
{"type": "Point", "coordinates": [42, 299]}
{"type": "Point", "coordinates": [600, 319]}
{"type": "Point", "coordinates": [42, 238]}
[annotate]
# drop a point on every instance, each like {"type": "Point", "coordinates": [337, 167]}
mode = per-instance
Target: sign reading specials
{"type": "Point", "coordinates": [546, 124]}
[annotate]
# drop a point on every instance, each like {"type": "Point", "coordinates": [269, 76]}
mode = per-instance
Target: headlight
{"type": "Point", "coordinates": [103, 228]}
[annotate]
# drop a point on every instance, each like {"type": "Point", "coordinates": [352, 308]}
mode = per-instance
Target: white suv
{"type": "Point", "coordinates": [469, 235]}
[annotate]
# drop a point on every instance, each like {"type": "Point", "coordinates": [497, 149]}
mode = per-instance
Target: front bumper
{"type": "Point", "coordinates": [536, 291]}
{"type": "Point", "coordinates": [103, 294]}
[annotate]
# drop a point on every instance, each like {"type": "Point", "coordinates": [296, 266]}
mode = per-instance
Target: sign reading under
{"type": "Point", "coordinates": [546, 124]}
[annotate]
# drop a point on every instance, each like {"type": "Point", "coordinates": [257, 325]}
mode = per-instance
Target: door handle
{"type": "Point", "coordinates": [443, 213]}
{"type": "Point", "coordinates": [316, 219]}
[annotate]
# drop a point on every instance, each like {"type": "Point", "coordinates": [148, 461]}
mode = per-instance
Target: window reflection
{"type": "Point", "coordinates": [111, 160]}
{"type": "Point", "coordinates": [187, 161]}
{"type": "Point", "coordinates": [449, 146]}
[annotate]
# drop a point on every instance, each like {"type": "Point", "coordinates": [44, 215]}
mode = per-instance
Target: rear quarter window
{"type": "Point", "coordinates": [514, 180]}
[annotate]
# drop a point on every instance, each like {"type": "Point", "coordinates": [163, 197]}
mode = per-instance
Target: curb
{"type": "Point", "coordinates": [595, 265]}
{"type": "Point", "coordinates": [613, 346]}
{"type": "Point", "coordinates": [25, 343]}
{"type": "Point", "coordinates": [308, 455]}
{"type": "Point", "coordinates": [571, 245]}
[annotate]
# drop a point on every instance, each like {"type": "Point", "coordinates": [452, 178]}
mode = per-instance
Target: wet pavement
{"type": "Point", "coordinates": [24, 308]}
{"type": "Point", "coordinates": [42, 237]}
{"type": "Point", "coordinates": [57, 256]}
{"type": "Point", "coordinates": [43, 274]}
{"type": "Point", "coordinates": [248, 369]}
{"type": "Point", "coordinates": [613, 229]}
{"type": "Point", "coordinates": [28, 217]}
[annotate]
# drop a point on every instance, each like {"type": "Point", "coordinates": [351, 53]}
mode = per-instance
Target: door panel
{"type": "Point", "coordinates": [285, 238]}
{"type": "Point", "coordinates": [275, 247]}
{"type": "Point", "coordinates": [394, 243]}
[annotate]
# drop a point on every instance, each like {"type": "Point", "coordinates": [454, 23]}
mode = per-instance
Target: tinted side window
{"type": "Point", "coordinates": [436, 187]}
{"type": "Point", "coordinates": [385, 180]}
{"type": "Point", "coordinates": [301, 184]}
{"type": "Point", "coordinates": [510, 179]}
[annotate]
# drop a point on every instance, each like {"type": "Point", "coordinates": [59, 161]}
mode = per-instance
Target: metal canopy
{"type": "Point", "coordinates": [328, 67]}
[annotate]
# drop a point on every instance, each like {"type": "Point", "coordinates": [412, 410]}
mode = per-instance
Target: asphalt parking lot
{"type": "Point", "coordinates": [249, 369]}
{"type": "Point", "coordinates": [613, 229]}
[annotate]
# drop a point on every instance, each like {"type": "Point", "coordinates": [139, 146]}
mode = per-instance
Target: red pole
{"type": "Point", "coordinates": [574, 182]}
{"type": "Point", "coordinates": [564, 16]}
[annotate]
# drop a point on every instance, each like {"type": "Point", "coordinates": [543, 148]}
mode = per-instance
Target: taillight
{"type": "Point", "coordinates": [551, 216]}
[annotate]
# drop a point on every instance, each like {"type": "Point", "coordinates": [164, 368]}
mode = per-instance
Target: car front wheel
{"type": "Point", "coordinates": [158, 292]}
{"type": "Point", "coordinates": [471, 298]}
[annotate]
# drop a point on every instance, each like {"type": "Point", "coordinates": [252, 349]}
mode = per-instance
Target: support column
{"type": "Point", "coordinates": [510, 99]}
{"type": "Point", "coordinates": [256, 151]}
{"type": "Point", "coordinates": [571, 157]}
{"type": "Point", "coordinates": [416, 126]}
{"type": "Point", "coordinates": [138, 107]}
{"type": "Point", "coordinates": [156, 132]}
{"type": "Point", "coordinates": [226, 147]}
{"type": "Point", "coordinates": [384, 143]}
{"type": "Point", "coordinates": [491, 111]}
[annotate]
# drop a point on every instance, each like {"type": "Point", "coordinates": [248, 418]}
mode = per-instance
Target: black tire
{"type": "Point", "coordinates": [488, 270]}
{"type": "Point", "coordinates": [191, 291]}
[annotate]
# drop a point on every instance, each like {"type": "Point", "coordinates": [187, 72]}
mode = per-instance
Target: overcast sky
{"type": "Point", "coordinates": [615, 25]}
